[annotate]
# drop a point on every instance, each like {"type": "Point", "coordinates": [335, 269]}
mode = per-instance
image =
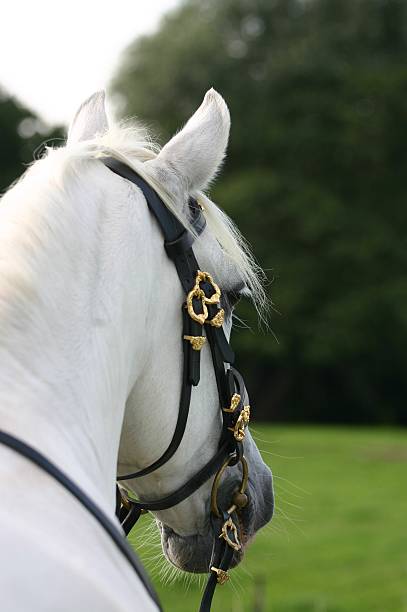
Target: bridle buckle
{"type": "Point", "coordinates": [216, 483]}
{"type": "Point", "coordinates": [234, 403]}
{"type": "Point", "coordinates": [241, 424]}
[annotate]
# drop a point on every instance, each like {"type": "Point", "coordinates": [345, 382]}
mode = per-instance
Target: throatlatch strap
{"type": "Point", "coordinates": [50, 468]}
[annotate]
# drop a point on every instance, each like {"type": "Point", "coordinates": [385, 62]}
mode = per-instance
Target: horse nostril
{"type": "Point", "coordinates": [240, 499]}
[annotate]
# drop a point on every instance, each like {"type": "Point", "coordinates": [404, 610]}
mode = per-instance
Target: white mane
{"type": "Point", "coordinates": [130, 142]}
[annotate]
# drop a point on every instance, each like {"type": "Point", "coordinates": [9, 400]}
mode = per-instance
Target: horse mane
{"type": "Point", "coordinates": [130, 142]}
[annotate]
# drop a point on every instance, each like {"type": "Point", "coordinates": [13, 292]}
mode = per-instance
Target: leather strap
{"type": "Point", "coordinates": [182, 418]}
{"type": "Point", "coordinates": [221, 559]}
{"type": "Point", "coordinates": [171, 227]}
{"type": "Point", "coordinates": [193, 484]}
{"type": "Point", "coordinates": [178, 242]}
{"type": "Point", "coordinates": [110, 528]}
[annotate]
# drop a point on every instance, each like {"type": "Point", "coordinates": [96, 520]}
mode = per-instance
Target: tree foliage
{"type": "Point", "coordinates": [22, 135]}
{"type": "Point", "coordinates": [315, 179]}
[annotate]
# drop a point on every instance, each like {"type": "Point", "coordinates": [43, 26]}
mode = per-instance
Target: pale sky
{"type": "Point", "coordinates": [55, 53]}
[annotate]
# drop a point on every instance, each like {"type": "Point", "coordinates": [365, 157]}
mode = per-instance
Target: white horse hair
{"type": "Point", "coordinates": [90, 357]}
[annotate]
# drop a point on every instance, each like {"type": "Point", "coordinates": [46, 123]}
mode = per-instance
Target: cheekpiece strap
{"type": "Point", "coordinates": [203, 319]}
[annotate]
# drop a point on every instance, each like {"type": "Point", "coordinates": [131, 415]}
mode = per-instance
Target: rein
{"type": "Point", "coordinates": [45, 464]}
{"type": "Point", "coordinates": [202, 318]}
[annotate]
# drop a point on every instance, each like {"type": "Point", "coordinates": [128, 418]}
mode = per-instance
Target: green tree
{"type": "Point", "coordinates": [22, 134]}
{"type": "Point", "coordinates": [314, 178]}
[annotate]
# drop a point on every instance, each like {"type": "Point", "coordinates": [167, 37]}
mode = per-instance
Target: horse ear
{"type": "Point", "coordinates": [90, 119]}
{"type": "Point", "coordinates": [197, 151]}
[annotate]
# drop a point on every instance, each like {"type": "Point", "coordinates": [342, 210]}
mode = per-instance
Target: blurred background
{"type": "Point", "coordinates": [315, 180]}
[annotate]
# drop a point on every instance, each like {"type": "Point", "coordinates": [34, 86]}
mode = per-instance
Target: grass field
{"type": "Point", "coordinates": [338, 541]}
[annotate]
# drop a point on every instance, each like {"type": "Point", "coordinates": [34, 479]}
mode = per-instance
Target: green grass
{"type": "Point", "coordinates": [338, 541]}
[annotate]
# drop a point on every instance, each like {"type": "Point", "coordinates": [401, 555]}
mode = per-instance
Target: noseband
{"type": "Point", "coordinates": [202, 317]}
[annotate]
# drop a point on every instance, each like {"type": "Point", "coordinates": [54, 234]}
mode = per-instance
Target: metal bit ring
{"type": "Point", "coordinates": [216, 482]}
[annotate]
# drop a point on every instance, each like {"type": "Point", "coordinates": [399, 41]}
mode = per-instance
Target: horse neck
{"type": "Point", "coordinates": [68, 283]}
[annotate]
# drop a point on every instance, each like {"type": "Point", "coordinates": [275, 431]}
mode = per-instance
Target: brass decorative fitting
{"type": "Point", "coordinates": [218, 319]}
{"type": "Point", "coordinates": [229, 525]}
{"type": "Point", "coordinates": [197, 292]}
{"type": "Point", "coordinates": [241, 424]}
{"type": "Point", "coordinates": [197, 342]}
{"type": "Point", "coordinates": [234, 402]}
{"type": "Point", "coordinates": [221, 575]}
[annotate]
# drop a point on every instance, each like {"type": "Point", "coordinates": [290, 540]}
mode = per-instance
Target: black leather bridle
{"type": "Point", "coordinates": [202, 317]}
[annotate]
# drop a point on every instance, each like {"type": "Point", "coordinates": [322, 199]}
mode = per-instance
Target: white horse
{"type": "Point", "coordinates": [91, 359]}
